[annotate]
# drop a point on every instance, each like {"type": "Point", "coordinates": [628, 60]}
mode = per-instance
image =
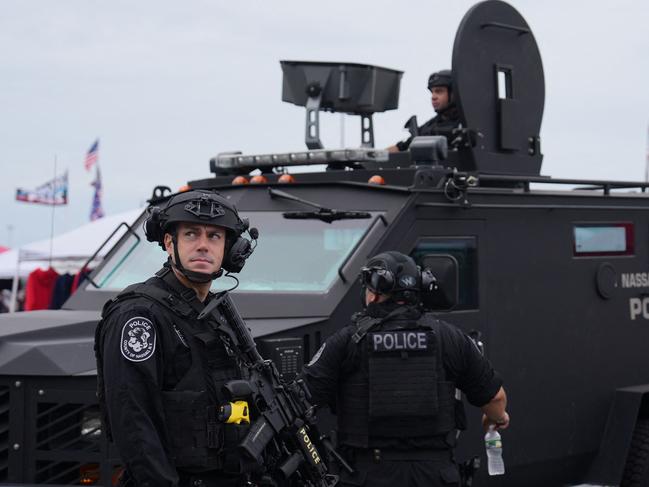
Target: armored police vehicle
{"type": "Point", "coordinates": [553, 281]}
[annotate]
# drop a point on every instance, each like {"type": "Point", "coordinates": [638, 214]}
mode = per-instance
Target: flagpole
{"type": "Point", "coordinates": [53, 208]}
{"type": "Point", "coordinates": [646, 168]}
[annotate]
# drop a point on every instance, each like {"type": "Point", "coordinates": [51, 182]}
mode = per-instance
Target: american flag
{"type": "Point", "coordinates": [96, 211]}
{"type": "Point", "coordinates": [92, 155]}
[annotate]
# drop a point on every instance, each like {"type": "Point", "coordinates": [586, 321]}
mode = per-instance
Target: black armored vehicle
{"type": "Point", "coordinates": [553, 281]}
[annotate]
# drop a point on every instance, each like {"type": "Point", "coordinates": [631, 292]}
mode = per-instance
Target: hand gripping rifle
{"type": "Point", "coordinates": [284, 437]}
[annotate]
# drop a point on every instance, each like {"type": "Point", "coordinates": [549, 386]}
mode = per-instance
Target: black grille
{"type": "Point", "coordinates": [51, 472]}
{"type": "Point", "coordinates": [74, 473]}
{"type": "Point", "coordinates": [67, 427]}
{"type": "Point", "coordinates": [63, 434]}
{"type": "Point", "coordinates": [68, 441]}
{"type": "Point", "coordinates": [4, 433]}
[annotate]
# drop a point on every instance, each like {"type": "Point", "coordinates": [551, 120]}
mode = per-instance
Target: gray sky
{"type": "Point", "coordinates": [166, 85]}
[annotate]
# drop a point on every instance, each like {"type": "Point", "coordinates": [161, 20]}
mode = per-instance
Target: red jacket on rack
{"type": "Point", "coordinates": [38, 292]}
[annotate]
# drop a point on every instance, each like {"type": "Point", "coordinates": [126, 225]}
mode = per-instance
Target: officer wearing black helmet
{"type": "Point", "coordinates": [160, 368]}
{"type": "Point", "coordinates": [391, 376]}
{"type": "Point", "coordinates": [440, 85]}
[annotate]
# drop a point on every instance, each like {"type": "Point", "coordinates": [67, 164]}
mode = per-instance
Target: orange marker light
{"type": "Point", "coordinates": [286, 178]}
{"type": "Point", "coordinates": [240, 180]}
{"type": "Point", "coordinates": [258, 179]}
{"type": "Point", "coordinates": [88, 474]}
{"type": "Point", "coordinates": [376, 179]}
{"type": "Point", "coordinates": [184, 188]}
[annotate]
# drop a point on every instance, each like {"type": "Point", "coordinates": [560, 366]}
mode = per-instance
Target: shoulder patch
{"type": "Point", "coordinates": [317, 355]}
{"type": "Point", "coordinates": [138, 339]}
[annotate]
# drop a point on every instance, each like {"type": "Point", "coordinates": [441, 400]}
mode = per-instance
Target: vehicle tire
{"type": "Point", "coordinates": [636, 470]}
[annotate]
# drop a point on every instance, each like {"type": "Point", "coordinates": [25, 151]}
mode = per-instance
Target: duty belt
{"type": "Point", "coordinates": [208, 479]}
{"type": "Point", "coordinates": [378, 455]}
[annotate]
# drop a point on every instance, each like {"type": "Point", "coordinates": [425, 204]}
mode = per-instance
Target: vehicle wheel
{"type": "Point", "coordinates": [636, 470]}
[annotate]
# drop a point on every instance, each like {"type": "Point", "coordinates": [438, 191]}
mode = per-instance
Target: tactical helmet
{"type": "Point", "coordinates": [393, 274]}
{"type": "Point", "coordinates": [441, 78]}
{"type": "Point", "coordinates": [195, 206]}
{"type": "Point", "coordinates": [207, 208]}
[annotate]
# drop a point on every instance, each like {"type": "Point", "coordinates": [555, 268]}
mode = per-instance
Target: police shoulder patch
{"type": "Point", "coordinates": [317, 355]}
{"type": "Point", "coordinates": [138, 339]}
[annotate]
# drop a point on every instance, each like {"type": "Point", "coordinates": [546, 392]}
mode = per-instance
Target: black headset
{"type": "Point", "coordinates": [383, 281]}
{"type": "Point", "coordinates": [398, 276]}
{"type": "Point", "coordinates": [235, 257]}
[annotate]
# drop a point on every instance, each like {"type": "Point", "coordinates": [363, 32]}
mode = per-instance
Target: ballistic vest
{"type": "Point", "coordinates": [199, 442]}
{"type": "Point", "coordinates": [398, 388]}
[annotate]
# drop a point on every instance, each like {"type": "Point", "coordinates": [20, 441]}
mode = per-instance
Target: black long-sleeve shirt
{"type": "Point", "coordinates": [136, 369]}
{"type": "Point", "coordinates": [442, 124]}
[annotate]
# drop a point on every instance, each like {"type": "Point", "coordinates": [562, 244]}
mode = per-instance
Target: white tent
{"type": "Point", "coordinates": [69, 250]}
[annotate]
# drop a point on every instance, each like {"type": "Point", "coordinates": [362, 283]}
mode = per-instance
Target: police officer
{"type": "Point", "coordinates": [440, 85]}
{"type": "Point", "coordinates": [161, 368]}
{"type": "Point", "coordinates": [390, 377]}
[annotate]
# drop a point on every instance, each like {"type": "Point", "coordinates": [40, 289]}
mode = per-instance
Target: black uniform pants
{"type": "Point", "coordinates": [186, 479]}
{"type": "Point", "coordinates": [209, 480]}
{"type": "Point", "coordinates": [432, 468]}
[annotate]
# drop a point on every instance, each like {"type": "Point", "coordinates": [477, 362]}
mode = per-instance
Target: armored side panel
{"type": "Point", "coordinates": [500, 89]}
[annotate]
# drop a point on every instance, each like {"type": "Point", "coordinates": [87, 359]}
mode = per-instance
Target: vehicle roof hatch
{"type": "Point", "coordinates": [500, 90]}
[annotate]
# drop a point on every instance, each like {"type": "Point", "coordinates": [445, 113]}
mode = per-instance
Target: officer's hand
{"type": "Point", "coordinates": [499, 424]}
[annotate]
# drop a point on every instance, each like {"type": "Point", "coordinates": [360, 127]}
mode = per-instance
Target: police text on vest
{"type": "Point", "coordinates": [391, 341]}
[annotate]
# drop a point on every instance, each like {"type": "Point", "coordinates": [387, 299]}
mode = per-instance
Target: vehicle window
{"type": "Point", "coordinates": [600, 239]}
{"type": "Point", "coordinates": [464, 249]}
{"type": "Point", "coordinates": [291, 256]}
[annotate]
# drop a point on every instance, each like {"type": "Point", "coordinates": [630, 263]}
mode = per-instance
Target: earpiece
{"type": "Point", "coordinates": [241, 249]}
{"type": "Point", "coordinates": [428, 281]}
{"type": "Point", "coordinates": [152, 227]}
{"type": "Point", "coordinates": [236, 257]}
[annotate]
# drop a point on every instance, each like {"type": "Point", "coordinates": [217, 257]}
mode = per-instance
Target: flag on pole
{"type": "Point", "coordinates": [53, 192]}
{"type": "Point", "coordinates": [92, 155]}
{"type": "Point", "coordinates": [96, 211]}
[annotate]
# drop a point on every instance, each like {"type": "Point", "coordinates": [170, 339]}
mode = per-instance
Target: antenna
{"type": "Point", "coordinates": [646, 167]}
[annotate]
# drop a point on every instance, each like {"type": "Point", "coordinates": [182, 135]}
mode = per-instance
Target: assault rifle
{"type": "Point", "coordinates": [284, 438]}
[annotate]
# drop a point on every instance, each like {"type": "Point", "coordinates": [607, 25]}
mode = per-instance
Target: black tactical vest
{"type": "Point", "coordinates": [398, 389]}
{"type": "Point", "coordinates": [198, 440]}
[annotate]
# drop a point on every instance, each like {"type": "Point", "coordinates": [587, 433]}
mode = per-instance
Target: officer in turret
{"type": "Point", "coordinates": [160, 368]}
{"type": "Point", "coordinates": [390, 377]}
{"type": "Point", "coordinates": [440, 85]}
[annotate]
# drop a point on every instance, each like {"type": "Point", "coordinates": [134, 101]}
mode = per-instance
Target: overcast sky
{"type": "Point", "coordinates": [167, 85]}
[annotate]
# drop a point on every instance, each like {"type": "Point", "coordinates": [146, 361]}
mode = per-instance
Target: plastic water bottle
{"type": "Point", "coordinates": [494, 446]}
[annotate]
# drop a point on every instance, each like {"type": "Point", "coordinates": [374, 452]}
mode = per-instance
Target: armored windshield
{"type": "Point", "coordinates": [291, 256]}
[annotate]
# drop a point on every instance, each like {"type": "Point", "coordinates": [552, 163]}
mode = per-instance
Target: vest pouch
{"type": "Point", "coordinates": [220, 366]}
{"type": "Point", "coordinates": [352, 411]}
{"type": "Point", "coordinates": [234, 462]}
{"type": "Point", "coordinates": [451, 411]}
{"type": "Point", "coordinates": [196, 441]}
{"type": "Point", "coordinates": [402, 375]}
